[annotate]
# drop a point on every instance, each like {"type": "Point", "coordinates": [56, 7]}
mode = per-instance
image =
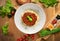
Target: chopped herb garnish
{"type": "Point", "coordinates": [29, 18]}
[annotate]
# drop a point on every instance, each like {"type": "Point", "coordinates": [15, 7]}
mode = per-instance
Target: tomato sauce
{"type": "Point", "coordinates": [26, 21]}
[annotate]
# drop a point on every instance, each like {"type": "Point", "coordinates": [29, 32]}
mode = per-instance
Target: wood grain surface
{"type": "Point", "coordinates": [50, 13]}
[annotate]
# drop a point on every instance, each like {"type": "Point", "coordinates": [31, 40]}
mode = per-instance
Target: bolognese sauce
{"type": "Point", "coordinates": [29, 18]}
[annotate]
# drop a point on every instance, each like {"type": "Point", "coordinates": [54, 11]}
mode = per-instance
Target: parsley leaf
{"type": "Point", "coordinates": [6, 9]}
{"type": "Point", "coordinates": [48, 3]}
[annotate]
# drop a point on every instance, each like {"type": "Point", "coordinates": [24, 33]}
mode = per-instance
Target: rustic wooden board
{"type": "Point", "coordinates": [50, 13]}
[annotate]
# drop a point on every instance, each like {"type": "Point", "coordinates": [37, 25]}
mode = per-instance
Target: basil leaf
{"type": "Point", "coordinates": [6, 9]}
{"type": "Point", "coordinates": [5, 29]}
{"type": "Point", "coordinates": [48, 3]}
{"type": "Point", "coordinates": [46, 32]}
{"type": "Point", "coordinates": [29, 18]}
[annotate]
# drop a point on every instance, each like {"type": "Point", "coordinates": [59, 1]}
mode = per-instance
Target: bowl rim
{"type": "Point", "coordinates": [40, 28]}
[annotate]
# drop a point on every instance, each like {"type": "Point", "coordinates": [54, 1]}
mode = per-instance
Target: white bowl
{"type": "Point", "coordinates": [32, 29]}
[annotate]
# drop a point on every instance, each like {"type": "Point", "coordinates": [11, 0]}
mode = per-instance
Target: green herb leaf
{"type": "Point", "coordinates": [48, 32]}
{"type": "Point", "coordinates": [48, 3]}
{"type": "Point", "coordinates": [5, 29]}
{"type": "Point", "coordinates": [29, 18]}
{"type": "Point", "coordinates": [6, 9]}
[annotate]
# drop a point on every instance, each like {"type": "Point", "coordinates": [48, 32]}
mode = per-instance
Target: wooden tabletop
{"type": "Point", "coordinates": [50, 14]}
